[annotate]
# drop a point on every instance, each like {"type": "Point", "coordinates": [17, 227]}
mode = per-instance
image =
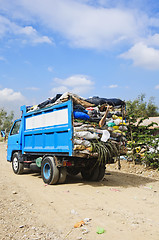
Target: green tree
{"type": "Point", "coordinates": [152, 109]}
{"type": "Point", "coordinates": [6, 120]}
{"type": "Point", "coordinates": [139, 108]}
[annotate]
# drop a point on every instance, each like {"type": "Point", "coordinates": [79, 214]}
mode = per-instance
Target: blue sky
{"type": "Point", "coordinates": [106, 48]}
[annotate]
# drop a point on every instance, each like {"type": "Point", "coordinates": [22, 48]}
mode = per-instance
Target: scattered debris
{"type": "Point", "coordinates": [79, 224]}
{"type": "Point", "coordinates": [114, 190]}
{"type": "Point", "coordinates": [21, 226]}
{"type": "Point", "coordinates": [14, 192]}
{"type": "Point", "coordinates": [100, 230]}
{"type": "Point", "coordinates": [74, 212]}
{"type": "Point", "coordinates": [84, 230]}
{"type": "Point", "coordinates": [149, 187]}
{"type": "Point", "coordinates": [87, 220]}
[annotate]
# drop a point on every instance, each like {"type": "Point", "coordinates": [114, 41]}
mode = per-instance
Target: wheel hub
{"type": "Point", "coordinates": [15, 164]}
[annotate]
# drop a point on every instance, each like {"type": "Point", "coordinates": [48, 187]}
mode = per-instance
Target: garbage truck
{"type": "Point", "coordinates": [59, 142]}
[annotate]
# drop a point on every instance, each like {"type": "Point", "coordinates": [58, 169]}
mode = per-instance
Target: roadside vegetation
{"type": "Point", "coordinates": [6, 121]}
{"type": "Point", "coordinates": [143, 141]}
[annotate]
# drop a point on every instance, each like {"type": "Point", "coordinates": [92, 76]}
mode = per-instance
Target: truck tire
{"type": "Point", "coordinates": [90, 175]}
{"type": "Point", "coordinates": [95, 174]}
{"type": "Point", "coordinates": [101, 173]}
{"type": "Point", "coordinates": [73, 171]}
{"type": "Point", "coordinates": [49, 171]}
{"type": "Point", "coordinates": [63, 174]}
{"type": "Point", "coordinates": [35, 168]}
{"type": "Point", "coordinates": [17, 166]}
{"type": "Point", "coordinates": [86, 174]}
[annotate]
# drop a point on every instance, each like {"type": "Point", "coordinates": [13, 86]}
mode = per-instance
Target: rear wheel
{"type": "Point", "coordinates": [86, 174]}
{"type": "Point", "coordinates": [17, 166]}
{"type": "Point", "coordinates": [95, 174]}
{"type": "Point", "coordinates": [63, 174]}
{"type": "Point", "coordinates": [101, 173]}
{"type": "Point", "coordinates": [49, 171]}
{"type": "Point", "coordinates": [90, 175]}
{"type": "Point", "coordinates": [73, 171]}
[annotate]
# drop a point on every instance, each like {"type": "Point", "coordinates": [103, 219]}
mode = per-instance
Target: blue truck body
{"type": "Point", "coordinates": [44, 138]}
{"type": "Point", "coordinates": [48, 130]}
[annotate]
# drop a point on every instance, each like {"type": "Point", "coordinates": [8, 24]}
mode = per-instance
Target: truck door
{"type": "Point", "coordinates": [14, 139]}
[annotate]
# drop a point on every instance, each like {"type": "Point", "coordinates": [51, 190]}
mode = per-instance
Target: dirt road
{"type": "Point", "coordinates": [125, 205]}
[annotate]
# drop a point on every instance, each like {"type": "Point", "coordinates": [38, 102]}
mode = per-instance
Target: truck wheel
{"type": "Point", "coordinates": [17, 166]}
{"type": "Point", "coordinates": [72, 171]}
{"type": "Point", "coordinates": [101, 173]}
{"type": "Point", "coordinates": [86, 174]}
{"type": "Point", "coordinates": [63, 174]}
{"type": "Point", "coordinates": [35, 168]}
{"type": "Point", "coordinates": [95, 174]}
{"type": "Point", "coordinates": [49, 171]}
{"type": "Point", "coordinates": [90, 175]}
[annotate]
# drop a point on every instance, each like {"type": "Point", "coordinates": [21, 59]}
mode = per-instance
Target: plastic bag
{"type": "Point", "coordinates": [105, 136]}
{"type": "Point", "coordinates": [83, 142]}
{"type": "Point", "coordinates": [86, 135]}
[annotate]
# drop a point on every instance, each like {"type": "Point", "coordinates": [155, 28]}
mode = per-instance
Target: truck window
{"type": "Point", "coordinates": [16, 127]}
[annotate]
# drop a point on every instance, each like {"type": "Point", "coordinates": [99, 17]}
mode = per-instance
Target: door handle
{"type": "Point", "coordinates": [17, 141]}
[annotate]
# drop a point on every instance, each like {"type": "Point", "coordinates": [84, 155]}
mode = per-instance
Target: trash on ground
{"type": "Point", "coordinates": [84, 230]}
{"type": "Point", "coordinates": [79, 224]}
{"type": "Point", "coordinates": [87, 220]}
{"type": "Point", "coordinates": [114, 190]}
{"type": "Point", "coordinates": [100, 230]}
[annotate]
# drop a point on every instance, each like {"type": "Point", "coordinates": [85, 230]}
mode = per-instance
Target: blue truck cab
{"type": "Point", "coordinates": [14, 139]}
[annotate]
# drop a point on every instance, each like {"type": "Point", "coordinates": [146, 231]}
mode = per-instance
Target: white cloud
{"type": "Point", "coordinates": [85, 25]}
{"type": "Point", "coordinates": [60, 89]}
{"type": "Point", "coordinates": [75, 80]}
{"type": "Point", "coordinates": [33, 35]}
{"type": "Point", "coordinates": [143, 56]}
{"type": "Point", "coordinates": [11, 100]}
{"type": "Point", "coordinates": [9, 95]}
{"type": "Point", "coordinates": [157, 87]}
{"type": "Point", "coordinates": [26, 34]}
{"type": "Point", "coordinates": [153, 40]}
{"type": "Point", "coordinates": [113, 86]}
{"type": "Point", "coordinates": [101, 24]}
{"type": "Point", "coordinates": [78, 84]}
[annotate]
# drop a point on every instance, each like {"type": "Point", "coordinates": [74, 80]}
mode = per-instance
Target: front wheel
{"type": "Point", "coordinates": [17, 166]}
{"type": "Point", "coordinates": [49, 171]}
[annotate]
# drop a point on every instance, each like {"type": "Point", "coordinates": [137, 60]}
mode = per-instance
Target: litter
{"type": "Point", "coordinates": [84, 230]}
{"type": "Point", "coordinates": [105, 136]}
{"type": "Point", "coordinates": [100, 230]}
{"type": "Point", "coordinates": [79, 147]}
{"type": "Point", "coordinates": [82, 142]}
{"type": "Point", "coordinates": [86, 135]}
{"type": "Point", "coordinates": [79, 224]}
{"type": "Point", "coordinates": [81, 115]}
{"type": "Point", "coordinates": [114, 190]}
{"type": "Point", "coordinates": [150, 187]}
{"type": "Point", "coordinates": [87, 220]}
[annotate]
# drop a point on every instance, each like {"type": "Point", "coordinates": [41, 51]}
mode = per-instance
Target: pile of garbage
{"type": "Point", "coordinates": [99, 124]}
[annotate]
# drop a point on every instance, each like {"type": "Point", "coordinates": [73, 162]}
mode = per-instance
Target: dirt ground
{"type": "Point", "coordinates": [125, 204]}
